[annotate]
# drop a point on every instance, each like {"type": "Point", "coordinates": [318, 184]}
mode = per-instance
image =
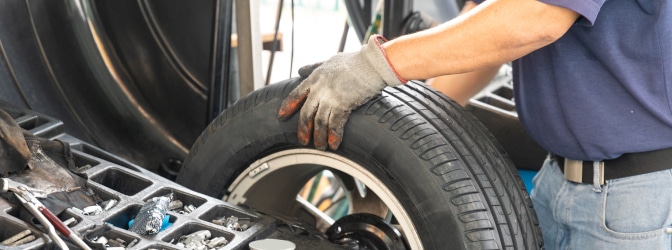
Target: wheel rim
{"type": "Point", "coordinates": [273, 182]}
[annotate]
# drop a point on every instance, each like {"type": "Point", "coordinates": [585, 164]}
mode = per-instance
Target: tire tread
{"type": "Point", "coordinates": [478, 182]}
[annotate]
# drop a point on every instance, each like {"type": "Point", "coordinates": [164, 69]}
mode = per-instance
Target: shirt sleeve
{"type": "Point", "coordinates": [588, 9]}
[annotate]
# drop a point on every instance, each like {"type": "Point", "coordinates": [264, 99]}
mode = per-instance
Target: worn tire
{"type": "Point", "coordinates": [445, 169]}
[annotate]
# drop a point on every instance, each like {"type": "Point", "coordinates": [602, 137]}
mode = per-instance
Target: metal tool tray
{"type": "Point", "coordinates": [114, 178]}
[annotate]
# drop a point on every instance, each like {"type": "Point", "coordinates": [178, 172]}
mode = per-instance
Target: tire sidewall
{"type": "Point", "coordinates": [250, 131]}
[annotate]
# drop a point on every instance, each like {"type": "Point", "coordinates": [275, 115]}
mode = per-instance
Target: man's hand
{"type": "Point", "coordinates": [334, 88]}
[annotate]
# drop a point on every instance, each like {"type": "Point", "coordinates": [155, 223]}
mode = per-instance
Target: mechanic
{"type": "Point", "coordinates": [593, 82]}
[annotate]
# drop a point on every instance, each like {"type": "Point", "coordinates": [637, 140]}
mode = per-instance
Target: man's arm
{"type": "Point", "coordinates": [493, 33]}
{"type": "Point", "coordinates": [462, 87]}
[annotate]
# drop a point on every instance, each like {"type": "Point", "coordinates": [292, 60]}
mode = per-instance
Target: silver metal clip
{"type": "Point", "coordinates": [574, 171]}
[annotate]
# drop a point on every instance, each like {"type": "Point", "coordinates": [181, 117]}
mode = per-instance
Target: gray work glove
{"type": "Point", "coordinates": [336, 87]}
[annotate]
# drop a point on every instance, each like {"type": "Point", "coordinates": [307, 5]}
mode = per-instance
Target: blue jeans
{"type": "Point", "coordinates": [627, 213]}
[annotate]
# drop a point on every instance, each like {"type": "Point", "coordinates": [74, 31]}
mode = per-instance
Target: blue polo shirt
{"type": "Point", "coordinates": [605, 87]}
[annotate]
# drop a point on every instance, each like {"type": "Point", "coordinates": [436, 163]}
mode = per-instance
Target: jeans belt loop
{"type": "Point", "coordinates": [574, 171]}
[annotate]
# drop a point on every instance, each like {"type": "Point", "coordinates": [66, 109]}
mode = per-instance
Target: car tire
{"type": "Point", "coordinates": [442, 174]}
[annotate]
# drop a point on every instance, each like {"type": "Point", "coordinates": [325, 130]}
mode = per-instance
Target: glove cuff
{"type": "Point", "coordinates": [375, 54]}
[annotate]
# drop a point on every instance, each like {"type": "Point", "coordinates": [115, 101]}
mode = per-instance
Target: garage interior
{"type": "Point", "coordinates": [130, 89]}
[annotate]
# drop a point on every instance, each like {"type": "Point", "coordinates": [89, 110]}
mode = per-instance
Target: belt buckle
{"type": "Point", "coordinates": [574, 171]}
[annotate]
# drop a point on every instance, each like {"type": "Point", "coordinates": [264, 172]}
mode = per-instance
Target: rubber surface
{"type": "Point", "coordinates": [450, 175]}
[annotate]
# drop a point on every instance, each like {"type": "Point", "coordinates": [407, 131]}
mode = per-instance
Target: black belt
{"type": "Point", "coordinates": [627, 165]}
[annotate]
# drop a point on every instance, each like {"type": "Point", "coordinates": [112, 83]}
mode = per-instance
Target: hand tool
{"type": "Point", "coordinates": [27, 196]}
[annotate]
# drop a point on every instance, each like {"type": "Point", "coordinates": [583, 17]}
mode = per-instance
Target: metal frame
{"type": "Point", "coordinates": [249, 53]}
{"type": "Point", "coordinates": [221, 60]}
{"type": "Point", "coordinates": [394, 15]}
